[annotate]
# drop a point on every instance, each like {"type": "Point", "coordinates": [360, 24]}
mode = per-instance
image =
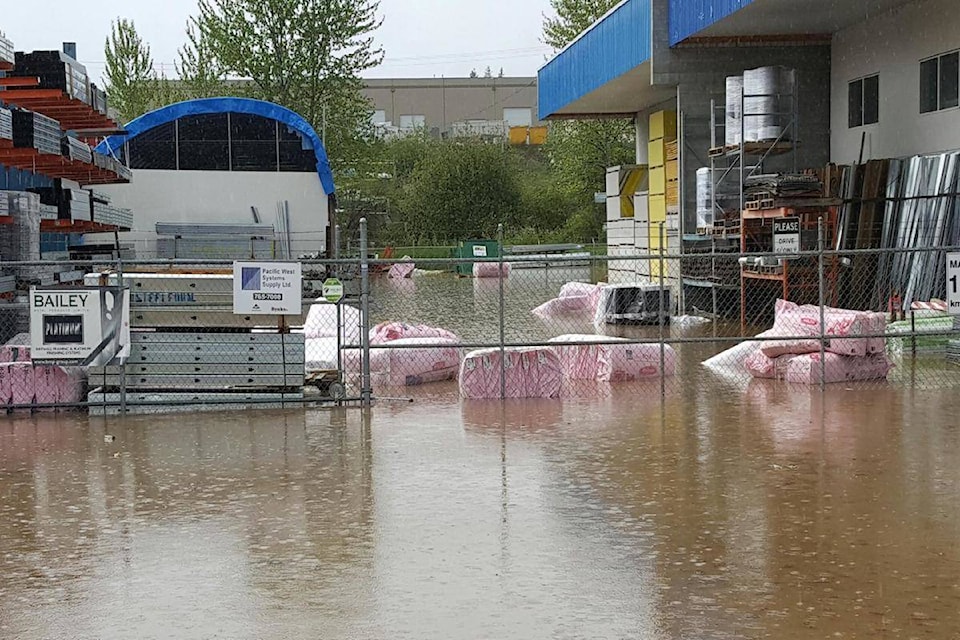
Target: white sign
{"type": "Point", "coordinates": [267, 288]}
{"type": "Point", "coordinates": [87, 326]}
{"type": "Point", "coordinates": [479, 251]}
{"type": "Point", "coordinates": [953, 283]}
{"type": "Point", "coordinates": [786, 235]}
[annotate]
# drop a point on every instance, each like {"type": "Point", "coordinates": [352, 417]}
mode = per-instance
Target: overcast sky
{"type": "Point", "coordinates": [422, 38]}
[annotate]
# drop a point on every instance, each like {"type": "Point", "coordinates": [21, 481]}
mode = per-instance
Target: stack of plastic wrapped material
{"type": "Point", "coordinates": [491, 269]}
{"type": "Point", "coordinates": [853, 346]}
{"type": "Point", "coordinates": [404, 355]}
{"type": "Point", "coordinates": [528, 372]}
{"type": "Point", "coordinates": [24, 383]}
{"type": "Point", "coordinates": [320, 332]}
{"type": "Point", "coordinates": [575, 298]}
{"type": "Point", "coordinates": [402, 270]}
{"type": "Point", "coordinates": [605, 359]}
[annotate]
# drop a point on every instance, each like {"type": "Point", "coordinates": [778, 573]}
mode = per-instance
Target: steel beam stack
{"type": "Point", "coordinates": [34, 131]}
{"type": "Point", "coordinates": [6, 124]}
{"type": "Point", "coordinates": [187, 346]}
{"type": "Point", "coordinates": [56, 70]}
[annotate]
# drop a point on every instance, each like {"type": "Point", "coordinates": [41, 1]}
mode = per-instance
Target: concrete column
{"type": "Point", "coordinates": [641, 124]}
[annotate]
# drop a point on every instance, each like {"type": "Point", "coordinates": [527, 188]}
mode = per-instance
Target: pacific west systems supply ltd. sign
{"type": "Point", "coordinates": [87, 326]}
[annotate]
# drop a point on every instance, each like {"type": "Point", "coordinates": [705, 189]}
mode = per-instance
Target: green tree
{"type": "Point", "coordinates": [581, 150]}
{"type": "Point", "coordinates": [460, 191]}
{"type": "Point", "coordinates": [130, 80]}
{"type": "Point", "coordinates": [306, 55]}
{"type": "Point", "coordinates": [201, 75]}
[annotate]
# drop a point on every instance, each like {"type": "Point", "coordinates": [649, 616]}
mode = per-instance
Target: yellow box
{"type": "Point", "coordinates": [658, 181]}
{"type": "Point", "coordinates": [538, 136]}
{"type": "Point", "coordinates": [673, 170]}
{"type": "Point", "coordinates": [657, 206]}
{"type": "Point", "coordinates": [518, 135]}
{"type": "Point", "coordinates": [663, 124]}
{"type": "Point", "coordinates": [656, 153]}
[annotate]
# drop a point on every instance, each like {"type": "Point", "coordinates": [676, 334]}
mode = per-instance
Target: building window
{"type": "Point", "coordinates": [413, 122]}
{"type": "Point", "coordinates": [379, 117]}
{"type": "Point", "coordinates": [940, 83]}
{"type": "Point", "coordinates": [518, 117]}
{"type": "Point", "coordinates": [864, 101]}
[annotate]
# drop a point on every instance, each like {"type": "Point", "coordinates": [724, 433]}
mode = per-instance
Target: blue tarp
{"type": "Point", "coordinates": [162, 116]}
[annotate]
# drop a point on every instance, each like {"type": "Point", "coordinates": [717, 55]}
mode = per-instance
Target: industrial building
{"type": "Point", "coordinates": [244, 171]}
{"type": "Point", "coordinates": [870, 81]}
{"type": "Point", "coordinates": [453, 107]}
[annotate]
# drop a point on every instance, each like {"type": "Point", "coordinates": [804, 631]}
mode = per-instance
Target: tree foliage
{"type": "Point", "coordinates": [581, 150]}
{"type": "Point", "coordinates": [306, 55]}
{"type": "Point", "coordinates": [130, 79]}
{"type": "Point", "coordinates": [201, 74]}
{"type": "Point", "coordinates": [459, 191]}
{"type": "Point", "coordinates": [572, 18]}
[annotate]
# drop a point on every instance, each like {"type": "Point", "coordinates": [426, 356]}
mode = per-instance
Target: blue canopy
{"type": "Point", "coordinates": [206, 106]}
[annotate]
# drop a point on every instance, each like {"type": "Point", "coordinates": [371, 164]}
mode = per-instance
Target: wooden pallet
{"type": "Point", "coordinates": [754, 148]}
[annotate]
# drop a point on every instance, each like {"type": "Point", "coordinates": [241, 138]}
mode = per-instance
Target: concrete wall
{"type": "Point", "coordinates": [222, 197]}
{"type": "Point", "coordinates": [893, 45]}
{"type": "Point", "coordinates": [445, 101]}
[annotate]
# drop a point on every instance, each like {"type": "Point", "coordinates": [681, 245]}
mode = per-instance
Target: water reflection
{"type": "Point", "coordinates": [759, 511]}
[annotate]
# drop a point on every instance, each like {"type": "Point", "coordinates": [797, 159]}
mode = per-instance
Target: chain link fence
{"type": "Point", "coordinates": [491, 327]}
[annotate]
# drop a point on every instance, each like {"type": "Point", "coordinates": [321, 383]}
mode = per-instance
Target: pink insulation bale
{"type": "Point", "coordinates": [22, 383]}
{"type": "Point", "coordinates": [529, 372]}
{"type": "Point", "coordinates": [491, 269]}
{"type": "Point", "coordinates": [14, 353]}
{"type": "Point", "coordinates": [390, 331]}
{"type": "Point", "coordinates": [402, 270]}
{"type": "Point", "coordinates": [6, 383]}
{"type": "Point", "coordinates": [760, 365]}
{"type": "Point", "coordinates": [612, 359]}
{"type": "Point", "coordinates": [564, 306]}
{"type": "Point", "coordinates": [807, 369]}
{"type": "Point", "coordinates": [838, 326]}
{"type": "Point", "coordinates": [70, 384]}
{"type": "Point", "coordinates": [45, 384]}
{"type": "Point", "coordinates": [415, 361]}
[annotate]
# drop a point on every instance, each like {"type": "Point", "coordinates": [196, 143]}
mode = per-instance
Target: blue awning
{"type": "Point", "coordinates": [615, 45]}
{"type": "Point", "coordinates": [247, 106]}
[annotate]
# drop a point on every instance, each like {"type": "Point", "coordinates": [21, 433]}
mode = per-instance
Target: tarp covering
{"type": "Point", "coordinates": [205, 106]}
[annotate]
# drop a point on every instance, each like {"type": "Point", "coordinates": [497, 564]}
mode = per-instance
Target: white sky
{"type": "Point", "coordinates": [422, 38]}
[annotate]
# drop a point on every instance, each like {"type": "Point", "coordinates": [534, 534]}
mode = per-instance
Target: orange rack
{"type": "Point", "coordinates": [54, 166]}
{"type": "Point", "coordinates": [73, 114]}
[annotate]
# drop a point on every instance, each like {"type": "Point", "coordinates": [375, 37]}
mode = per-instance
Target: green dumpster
{"type": "Point", "coordinates": [474, 249]}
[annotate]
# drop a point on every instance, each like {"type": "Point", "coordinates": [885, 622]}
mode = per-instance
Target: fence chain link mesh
{"type": "Point", "coordinates": [550, 326]}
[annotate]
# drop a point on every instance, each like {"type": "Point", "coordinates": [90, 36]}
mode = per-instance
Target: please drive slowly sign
{"type": "Point", "coordinates": [786, 235]}
{"type": "Point", "coordinates": [267, 288]}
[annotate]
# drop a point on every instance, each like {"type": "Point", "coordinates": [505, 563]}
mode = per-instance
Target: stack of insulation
{"type": "Point", "coordinates": [853, 348]}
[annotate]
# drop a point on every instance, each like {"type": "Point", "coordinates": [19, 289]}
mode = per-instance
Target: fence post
{"type": "Point", "coordinates": [502, 312]}
{"type": "Point", "coordinates": [123, 365]}
{"type": "Point", "coordinates": [366, 392]}
{"type": "Point", "coordinates": [661, 319]}
{"type": "Point", "coordinates": [822, 297]}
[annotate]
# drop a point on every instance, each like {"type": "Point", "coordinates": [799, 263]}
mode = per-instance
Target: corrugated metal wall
{"type": "Point", "coordinates": [611, 48]}
{"type": "Point", "coordinates": [688, 17]}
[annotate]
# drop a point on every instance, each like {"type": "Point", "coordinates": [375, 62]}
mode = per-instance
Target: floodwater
{"type": "Point", "coordinates": [770, 513]}
{"type": "Point", "coordinates": [728, 510]}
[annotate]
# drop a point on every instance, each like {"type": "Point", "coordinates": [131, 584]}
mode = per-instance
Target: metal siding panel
{"type": "Point", "coordinates": [611, 48]}
{"type": "Point", "coordinates": [688, 17]}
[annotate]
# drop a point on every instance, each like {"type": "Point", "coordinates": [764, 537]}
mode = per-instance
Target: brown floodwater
{"type": "Point", "coordinates": [757, 511]}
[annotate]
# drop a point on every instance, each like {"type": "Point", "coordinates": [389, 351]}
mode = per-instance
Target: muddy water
{"type": "Point", "coordinates": [757, 513]}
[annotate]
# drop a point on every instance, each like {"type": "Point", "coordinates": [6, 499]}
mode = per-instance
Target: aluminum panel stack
{"type": "Point", "coordinates": [109, 164]}
{"type": "Point", "coordinates": [56, 70]}
{"type": "Point", "coordinates": [78, 204]}
{"type": "Point", "coordinates": [35, 131]}
{"type": "Point", "coordinates": [76, 150]}
{"type": "Point", "coordinates": [6, 124]}
{"type": "Point", "coordinates": [734, 111]}
{"type": "Point", "coordinates": [21, 241]}
{"type": "Point", "coordinates": [6, 50]}
{"type": "Point", "coordinates": [98, 99]}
